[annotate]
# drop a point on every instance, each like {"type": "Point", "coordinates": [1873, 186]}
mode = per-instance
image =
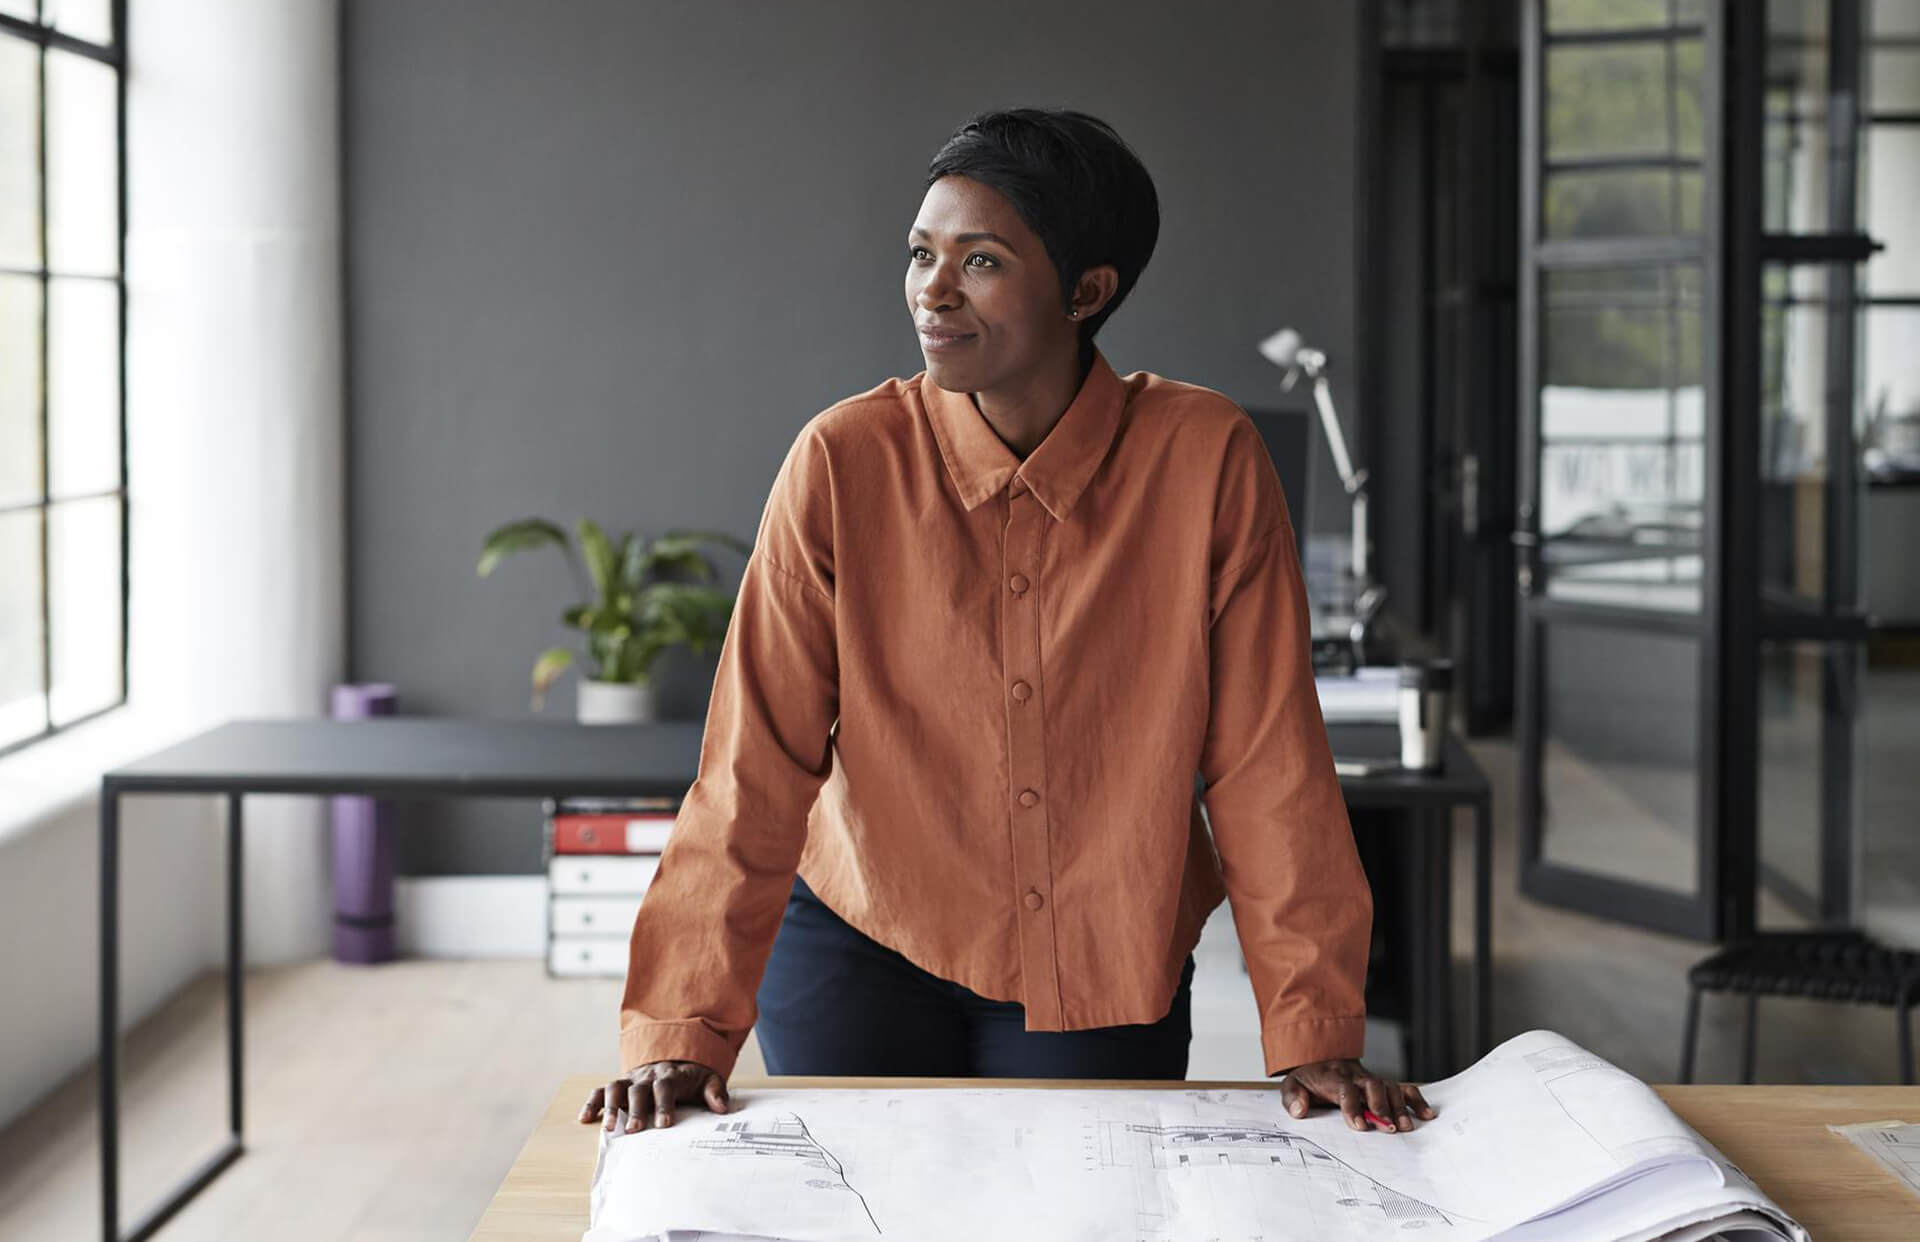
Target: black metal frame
{"type": "Point", "coordinates": [115, 56]}
{"type": "Point", "coordinates": [112, 789]}
{"type": "Point", "coordinates": [1835, 621]}
{"type": "Point", "coordinates": [1715, 905]}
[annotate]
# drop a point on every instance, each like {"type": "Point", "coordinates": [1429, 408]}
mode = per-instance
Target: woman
{"type": "Point", "coordinates": [997, 618]}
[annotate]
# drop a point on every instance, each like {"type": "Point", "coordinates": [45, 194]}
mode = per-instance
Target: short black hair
{"type": "Point", "coordinates": [1075, 182]}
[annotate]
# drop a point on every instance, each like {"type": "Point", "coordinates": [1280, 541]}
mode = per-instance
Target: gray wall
{"type": "Point", "coordinates": [606, 258]}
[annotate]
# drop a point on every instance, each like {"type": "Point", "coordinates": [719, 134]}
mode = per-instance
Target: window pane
{"type": "Point", "coordinates": [19, 154]}
{"type": "Point", "coordinates": [83, 399]}
{"type": "Point", "coordinates": [1622, 463]}
{"type": "Point", "coordinates": [19, 389]}
{"type": "Point", "coordinates": [1628, 202]}
{"type": "Point", "coordinates": [1890, 391]}
{"type": "Point", "coordinates": [1565, 15]}
{"type": "Point", "coordinates": [1889, 793]}
{"type": "Point", "coordinates": [91, 20]}
{"type": "Point", "coordinates": [1795, 390]}
{"type": "Point", "coordinates": [1795, 152]}
{"type": "Point", "coordinates": [1619, 758]}
{"type": "Point", "coordinates": [1792, 720]}
{"type": "Point", "coordinates": [22, 687]}
{"type": "Point", "coordinates": [1890, 188]}
{"type": "Point", "coordinates": [1623, 99]}
{"type": "Point", "coordinates": [1893, 80]}
{"type": "Point", "coordinates": [17, 8]}
{"type": "Point", "coordinates": [83, 178]}
{"type": "Point", "coordinates": [84, 545]}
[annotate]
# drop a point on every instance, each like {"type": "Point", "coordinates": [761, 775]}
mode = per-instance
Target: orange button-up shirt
{"type": "Point", "coordinates": [966, 694]}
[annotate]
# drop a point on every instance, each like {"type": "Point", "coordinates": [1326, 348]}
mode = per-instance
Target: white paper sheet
{"type": "Point", "coordinates": [1894, 1144]}
{"type": "Point", "coordinates": [1540, 1139]}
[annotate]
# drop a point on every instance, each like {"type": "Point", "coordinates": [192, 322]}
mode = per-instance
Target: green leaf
{"type": "Point", "coordinates": [552, 662]}
{"type": "Point", "coordinates": [617, 563]}
{"type": "Point", "coordinates": [517, 537]}
{"type": "Point", "coordinates": [633, 562]}
{"type": "Point", "coordinates": [677, 552]}
{"type": "Point", "coordinates": [580, 616]}
{"type": "Point", "coordinates": [593, 541]}
{"type": "Point", "coordinates": [720, 537]}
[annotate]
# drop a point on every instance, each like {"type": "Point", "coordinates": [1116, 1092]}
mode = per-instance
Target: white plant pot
{"type": "Point", "coordinates": [608, 702]}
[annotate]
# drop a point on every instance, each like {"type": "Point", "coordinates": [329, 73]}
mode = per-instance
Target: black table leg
{"type": "Point", "coordinates": [236, 971]}
{"type": "Point", "coordinates": [1426, 949]}
{"type": "Point", "coordinates": [228, 1151]}
{"type": "Point", "coordinates": [110, 1012]}
{"type": "Point", "coordinates": [1440, 931]}
{"type": "Point", "coordinates": [1482, 928]}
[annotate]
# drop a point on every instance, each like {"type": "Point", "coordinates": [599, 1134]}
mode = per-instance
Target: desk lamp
{"type": "Point", "coordinates": [1287, 351]}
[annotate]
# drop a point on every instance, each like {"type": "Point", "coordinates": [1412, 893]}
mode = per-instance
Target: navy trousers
{"type": "Point", "coordinates": [834, 1001]}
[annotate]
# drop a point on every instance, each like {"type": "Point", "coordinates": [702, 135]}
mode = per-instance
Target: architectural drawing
{"type": "Point", "coordinates": [784, 1137]}
{"type": "Point", "coordinates": [1259, 1147]}
{"type": "Point", "coordinates": [1540, 1139]}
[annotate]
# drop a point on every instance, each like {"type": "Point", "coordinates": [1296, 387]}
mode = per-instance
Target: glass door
{"type": "Point", "coordinates": [1619, 575]}
{"type": "Point", "coordinates": [1838, 462]}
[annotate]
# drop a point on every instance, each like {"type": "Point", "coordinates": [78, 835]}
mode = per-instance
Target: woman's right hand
{"type": "Point", "coordinates": [649, 1092]}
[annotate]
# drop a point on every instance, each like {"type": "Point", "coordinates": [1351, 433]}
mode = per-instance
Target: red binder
{"type": "Point", "coordinates": [611, 832]}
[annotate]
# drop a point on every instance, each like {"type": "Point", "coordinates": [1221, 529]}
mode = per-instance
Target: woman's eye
{"type": "Point", "coordinates": [914, 252]}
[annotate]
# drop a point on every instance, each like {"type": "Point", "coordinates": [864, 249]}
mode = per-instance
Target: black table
{"type": "Point", "coordinates": [1427, 802]}
{"type": "Point", "coordinates": [432, 758]}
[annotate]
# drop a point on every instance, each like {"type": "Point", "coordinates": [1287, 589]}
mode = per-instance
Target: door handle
{"type": "Point", "coordinates": [1527, 544]}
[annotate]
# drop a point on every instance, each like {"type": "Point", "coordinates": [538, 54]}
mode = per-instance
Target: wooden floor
{"type": "Point", "coordinates": [386, 1103]}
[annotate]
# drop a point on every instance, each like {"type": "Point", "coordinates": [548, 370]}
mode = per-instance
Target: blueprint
{"type": "Point", "coordinates": [1539, 1139]}
{"type": "Point", "coordinates": [1894, 1144]}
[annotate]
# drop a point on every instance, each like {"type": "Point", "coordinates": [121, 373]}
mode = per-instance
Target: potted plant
{"type": "Point", "coordinates": [627, 620]}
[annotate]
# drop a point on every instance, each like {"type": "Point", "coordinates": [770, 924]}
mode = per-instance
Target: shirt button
{"type": "Point", "coordinates": [1034, 899]}
{"type": "Point", "coordinates": [1028, 797]}
{"type": "Point", "coordinates": [1019, 583]}
{"type": "Point", "coordinates": [1022, 691]}
{"type": "Point", "coordinates": [1018, 486]}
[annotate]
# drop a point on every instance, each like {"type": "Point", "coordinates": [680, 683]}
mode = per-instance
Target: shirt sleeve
{"type": "Point", "coordinates": [707, 924]}
{"type": "Point", "coordinates": [1299, 896]}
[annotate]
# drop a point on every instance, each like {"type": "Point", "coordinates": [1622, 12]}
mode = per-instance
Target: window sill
{"type": "Point", "coordinates": [52, 778]}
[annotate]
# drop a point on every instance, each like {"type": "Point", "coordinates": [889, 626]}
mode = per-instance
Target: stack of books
{"type": "Point", "coordinates": [601, 854]}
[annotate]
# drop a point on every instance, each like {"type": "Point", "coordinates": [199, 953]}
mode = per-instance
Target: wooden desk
{"type": "Point", "coordinates": [1778, 1134]}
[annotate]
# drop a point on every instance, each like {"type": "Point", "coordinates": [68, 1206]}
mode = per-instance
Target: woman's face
{"type": "Point", "coordinates": [975, 271]}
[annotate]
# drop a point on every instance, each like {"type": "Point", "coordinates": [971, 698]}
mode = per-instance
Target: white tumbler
{"type": "Point", "coordinates": [1424, 689]}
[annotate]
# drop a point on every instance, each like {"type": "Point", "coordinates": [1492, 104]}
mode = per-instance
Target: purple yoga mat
{"type": "Point", "coordinates": [362, 849]}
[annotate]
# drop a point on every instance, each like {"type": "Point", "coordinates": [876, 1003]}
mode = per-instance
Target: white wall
{"type": "Point", "coordinates": [235, 448]}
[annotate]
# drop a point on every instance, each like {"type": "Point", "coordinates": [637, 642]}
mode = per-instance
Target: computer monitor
{"type": "Point", "coordinates": [1288, 437]}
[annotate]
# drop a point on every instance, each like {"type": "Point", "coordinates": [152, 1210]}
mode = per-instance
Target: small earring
{"type": "Point", "coordinates": [1073, 314]}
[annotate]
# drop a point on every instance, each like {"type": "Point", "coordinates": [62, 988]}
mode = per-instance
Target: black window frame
{"type": "Point", "coordinates": [114, 55]}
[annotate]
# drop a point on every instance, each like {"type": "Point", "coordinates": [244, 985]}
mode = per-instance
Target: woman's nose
{"type": "Point", "coordinates": [936, 292]}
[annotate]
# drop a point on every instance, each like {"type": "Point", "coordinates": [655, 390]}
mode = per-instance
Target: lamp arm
{"type": "Point", "coordinates": [1330, 423]}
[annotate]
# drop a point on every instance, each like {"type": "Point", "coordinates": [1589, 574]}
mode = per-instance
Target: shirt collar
{"type": "Point", "coordinates": [1057, 470]}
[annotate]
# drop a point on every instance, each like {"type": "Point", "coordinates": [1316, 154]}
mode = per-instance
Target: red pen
{"type": "Point", "coordinates": [1373, 1116]}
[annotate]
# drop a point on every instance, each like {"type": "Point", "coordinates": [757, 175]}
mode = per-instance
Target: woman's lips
{"type": "Point", "coordinates": [934, 340]}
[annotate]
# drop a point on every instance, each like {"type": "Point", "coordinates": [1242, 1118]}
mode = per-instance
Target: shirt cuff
{"type": "Point", "coordinates": [1317, 1039]}
{"type": "Point", "coordinates": [667, 1040]}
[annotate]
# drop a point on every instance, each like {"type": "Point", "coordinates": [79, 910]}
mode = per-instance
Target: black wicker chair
{"type": "Point", "coordinates": [1842, 965]}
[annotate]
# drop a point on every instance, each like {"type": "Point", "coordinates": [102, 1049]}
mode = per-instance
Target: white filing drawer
{"type": "Point", "coordinates": [601, 873]}
{"type": "Point", "coordinates": [575, 915]}
{"type": "Point", "coordinates": [599, 956]}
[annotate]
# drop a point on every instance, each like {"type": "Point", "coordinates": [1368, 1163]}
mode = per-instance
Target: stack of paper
{"type": "Point", "coordinates": [1367, 695]}
{"type": "Point", "coordinates": [1539, 1140]}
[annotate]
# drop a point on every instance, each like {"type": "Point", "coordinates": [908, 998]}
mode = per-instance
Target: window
{"type": "Point", "coordinates": [63, 476]}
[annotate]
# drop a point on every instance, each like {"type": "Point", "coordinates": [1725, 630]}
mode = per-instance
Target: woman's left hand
{"type": "Point", "coordinates": [1355, 1090]}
